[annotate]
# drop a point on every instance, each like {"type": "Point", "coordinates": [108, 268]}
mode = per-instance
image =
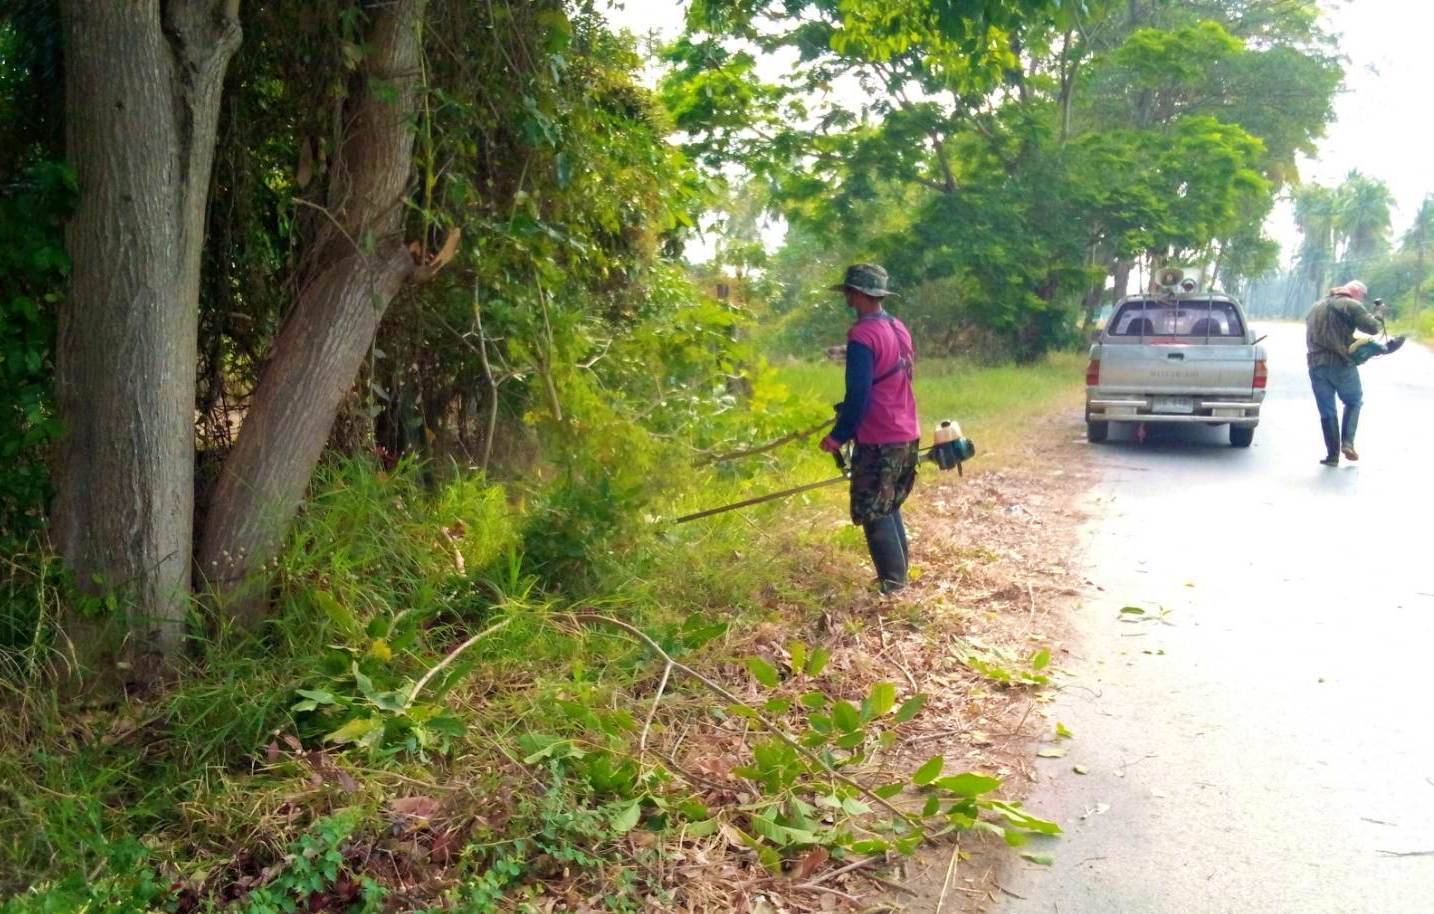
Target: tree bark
{"type": "Point", "coordinates": [143, 81]}
{"type": "Point", "coordinates": [357, 265]}
{"type": "Point", "coordinates": [1121, 278]}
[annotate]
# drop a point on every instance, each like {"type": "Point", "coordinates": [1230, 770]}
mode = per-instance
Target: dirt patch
{"type": "Point", "coordinates": [1020, 523]}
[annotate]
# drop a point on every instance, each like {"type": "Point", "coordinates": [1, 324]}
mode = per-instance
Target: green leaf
{"type": "Point", "coordinates": [851, 740]}
{"type": "Point", "coordinates": [887, 791]}
{"type": "Point", "coordinates": [365, 685]}
{"type": "Point", "coordinates": [701, 829]}
{"type": "Point", "coordinates": [1040, 659]}
{"type": "Point", "coordinates": [777, 706]}
{"type": "Point", "coordinates": [798, 650]}
{"type": "Point", "coordinates": [909, 708]}
{"type": "Point", "coordinates": [1042, 859]}
{"type": "Point", "coordinates": [771, 860]}
{"type": "Point", "coordinates": [626, 819]}
{"type": "Point", "coordinates": [929, 771]}
{"type": "Point", "coordinates": [854, 807]}
{"type": "Point", "coordinates": [763, 672]}
{"type": "Point", "coordinates": [881, 700]}
{"type": "Point", "coordinates": [781, 834]}
{"type": "Point", "coordinates": [1017, 816]}
{"type": "Point", "coordinates": [932, 807]}
{"type": "Point", "coordinates": [338, 614]}
{"type": "Point", "coordinates": [355, 730]}
{"type": "Point", "coordinates": [818, 661]}
{"type": "Point", "coordinates": [909, 844]}
{"type": "Point", "coordinates": [969, 784]}
{"type": "Point", "coordinates": [317, 697]}
{"type": "Point", "coordinates": [1132, 610]}
{"type": "Point", "coordinates": [392, 701]}
{"type": "Point", "coordinates": [846, 716]}
{"type": "Point", "coordinates": [814, 700]}
{"type": "Point", "coordinates": [1063, 732]}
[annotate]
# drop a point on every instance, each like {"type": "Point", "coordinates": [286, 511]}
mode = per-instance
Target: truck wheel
{"type": "Point", "coordinates": [1241, 435]}
{"type": "Point", "coordinates": [1096, 432]}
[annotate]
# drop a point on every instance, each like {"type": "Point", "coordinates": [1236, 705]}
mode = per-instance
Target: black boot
{"type": "Point", "coordinates": [883, 539]}
{"type": "Point", "coordinates": [1346, 436]}
{"type": "Point", "coordinates": [901, 534]}
{"type": "Point", "coordinates": [1331, 441]}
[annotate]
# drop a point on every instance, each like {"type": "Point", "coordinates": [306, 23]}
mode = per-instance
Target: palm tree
{"type": "Point", "coordinates": [1315, 217]}
{"type": "Point", "coordinates": [1361, 214]}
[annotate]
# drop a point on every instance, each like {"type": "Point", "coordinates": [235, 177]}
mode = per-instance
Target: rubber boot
{"type": "Point", "coordinates": [901, 534]}
{"type": "Point", "coordinates": [1346, 437]}
{"type": "Point", "coordinates": [883, 539]}
{"type": "Point", "coordinates": [1331, 441]}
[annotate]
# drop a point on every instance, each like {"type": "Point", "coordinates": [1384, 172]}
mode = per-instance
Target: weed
{"type": "Point", "coordinates": [999, 667]}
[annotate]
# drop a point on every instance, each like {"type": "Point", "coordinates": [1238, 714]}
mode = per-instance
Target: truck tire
{"type": "Point", "coordinates": [1241, 435]}
{"type": "Point", "coordinates": [1096, 432]}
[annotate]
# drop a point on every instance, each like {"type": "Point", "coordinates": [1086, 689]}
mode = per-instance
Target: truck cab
{"type": "Point", "coordinates": [1176, 357]}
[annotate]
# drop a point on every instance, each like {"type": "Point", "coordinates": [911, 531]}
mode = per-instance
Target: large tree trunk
{"type": "Point", "coordinates": [357, 265]}
{"type": "Point", "coordinates": [143, 84]}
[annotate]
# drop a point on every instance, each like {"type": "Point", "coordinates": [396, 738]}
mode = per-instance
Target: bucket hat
{"type": "Point", "coordinates": [865, 277]}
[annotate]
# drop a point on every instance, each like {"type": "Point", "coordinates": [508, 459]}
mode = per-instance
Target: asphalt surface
{"type": "Point", "coordinates": [1263, 740]}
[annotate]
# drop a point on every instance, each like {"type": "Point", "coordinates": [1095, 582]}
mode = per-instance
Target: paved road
{"type": "Point", "coordinates": [1257, 753]}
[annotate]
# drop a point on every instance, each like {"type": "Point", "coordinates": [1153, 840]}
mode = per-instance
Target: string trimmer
{"type": "Point", "coordinates": [949, 450]}
{"type": "Point", "coordinates": [1366, 348]}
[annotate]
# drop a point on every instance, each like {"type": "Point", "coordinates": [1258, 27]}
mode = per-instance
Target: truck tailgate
{"type": "Point", "coordinates": [1212, 370]}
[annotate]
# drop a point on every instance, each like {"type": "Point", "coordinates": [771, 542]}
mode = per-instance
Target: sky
{"type": "Point", "coordinates": [1384, 118]}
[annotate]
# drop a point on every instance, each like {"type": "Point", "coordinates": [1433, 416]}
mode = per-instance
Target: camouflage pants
{"type": "Point", "coordinates": [881, 478]}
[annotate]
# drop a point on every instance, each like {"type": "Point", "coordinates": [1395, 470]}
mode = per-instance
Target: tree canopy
{"type": "Point", "coordinates": [1020, 152]}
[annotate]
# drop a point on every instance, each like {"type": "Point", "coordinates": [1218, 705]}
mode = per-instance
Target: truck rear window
{"type": "Point", "coordinates": [1183, 318]}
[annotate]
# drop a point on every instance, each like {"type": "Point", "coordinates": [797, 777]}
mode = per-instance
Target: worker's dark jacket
{"type": "Point", "coordinates": [1329, 330]}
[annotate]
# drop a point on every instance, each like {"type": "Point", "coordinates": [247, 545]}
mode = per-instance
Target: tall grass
{"type": "Point", "coordinates": [1419, 325]}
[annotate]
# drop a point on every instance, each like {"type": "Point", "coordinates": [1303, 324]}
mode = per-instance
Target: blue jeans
{"type": "Point", "coordinates": [1331, 380]}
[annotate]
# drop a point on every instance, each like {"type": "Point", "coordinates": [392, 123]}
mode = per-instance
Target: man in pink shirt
{"type": "Point", "coordinates": [879, 415]}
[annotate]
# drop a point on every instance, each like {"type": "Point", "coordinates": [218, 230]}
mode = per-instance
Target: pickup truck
{"type": "Point", "coordinates": [1176, 357]}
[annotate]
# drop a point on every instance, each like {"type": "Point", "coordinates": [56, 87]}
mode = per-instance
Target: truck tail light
{"type": "Point", "coordinates": [1092, 373]}
{"type": "Point", "coordinates": [1262, 375]}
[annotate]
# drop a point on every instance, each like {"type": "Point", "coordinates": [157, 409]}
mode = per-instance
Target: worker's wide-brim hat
{"type": "Point", "coordinates": [865, 277]}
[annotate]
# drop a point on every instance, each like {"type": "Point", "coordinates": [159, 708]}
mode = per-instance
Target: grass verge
{"type": "Point", "coordinates": [430, 723]}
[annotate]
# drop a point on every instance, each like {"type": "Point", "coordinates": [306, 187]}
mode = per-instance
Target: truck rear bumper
{"type": "Point", "coordinates": [1203, 412]}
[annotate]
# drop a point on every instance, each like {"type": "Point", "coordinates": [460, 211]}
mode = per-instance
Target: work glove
{"type": "Point", "coordinates": [831, 445]}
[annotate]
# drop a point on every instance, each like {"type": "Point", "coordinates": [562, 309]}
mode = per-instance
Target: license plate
{"type": "Point", "coordinates": [1173, 405]}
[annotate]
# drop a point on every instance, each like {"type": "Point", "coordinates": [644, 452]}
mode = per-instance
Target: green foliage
{"type": "Point", "coordinates": [130, 881]}
{"type": "Point", "coordinates": [1017, 156]}
{"type": "Point", "coordinates": [33, 267]}
{"type": "Point", "coordinates": [312, 867]}
{"type": "Point", "coordinates": [804, 798]}
{"type": "Point", "coordinates": [438, 556]}
{"type": "Point", "coordinates": [1000, 668]}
